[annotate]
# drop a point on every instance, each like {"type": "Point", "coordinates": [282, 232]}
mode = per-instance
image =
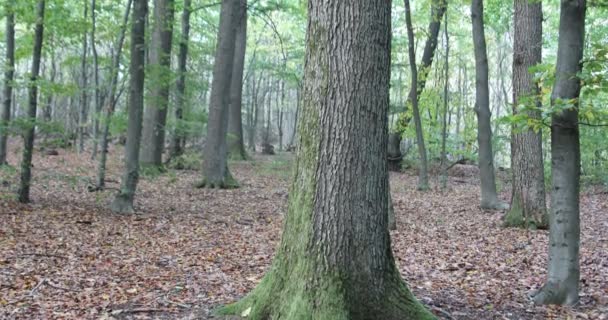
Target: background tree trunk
{"type": "Point", "coordinates": [423, 176]}
{"type": "Point", "coordinates": [215, 165]}
{"type": "Point", "coordinates": [489, 198]}
{"type": "Point", "coordinates": [562, 284]}
{"type": "Point", "coordinates": [28, 137]}
{"type": "Point", "coordinates": [335, 260]}
{"type": "Point", "coordinates": [528, 208]}
{"type": "Point", "coordinates": [446, 98]}
{"type": "Point", "coordinates": [97, 94]}
{"type": "Point", "coordinates": [123, 202]}
{"type": "Point", "coordinates": [82, 116]}
{"type": "Point", "coordinates": [177, 140]}
{"type": "Point", "coordinates": [236, 146]}
{"type": "Point", "coordinates": [153, 137]}
{"type": "Point", "coordinates": [9, 74]}
{"type": "Point", "coordinates": [112, 100]}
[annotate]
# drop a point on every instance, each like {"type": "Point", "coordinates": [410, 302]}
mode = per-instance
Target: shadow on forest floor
{"type": "Point", "coordinates": [188, 250]}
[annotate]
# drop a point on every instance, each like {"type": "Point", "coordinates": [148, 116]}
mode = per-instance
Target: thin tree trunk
{"type": "Point", "coordinates": [215, 164]}
{"type": "Point", "coordinates": [123, 202]}
{"type": "Point", "coordinates": [177, 140]}
{"type": "Point", "coordinates": [9, 74]}
{"type": "Point", "coordinates": [236, 146]}
{"type": "Point", "coordinates": [562, 284]}
{"type": "Point", "coordinates": [528, 208]}
{"type": "Point", "coordinates": [423, 177]}
{"type": "Point", "coordinates": [335, 260]}
{"type": "Point", "coordinates": [446, 97]}
{"type": "Point", "coordinates": [28, 137]}
{"type": "Point", "coordinates": [82, 116]}
{"type": "Point", "coordinates": [97, 94]}
{"type": "Point", "coordinates": [489, 197]}
{"type": "Point", "coordinates": [153, 136]}
{"type": "Point", "coordinates": [112, 100]}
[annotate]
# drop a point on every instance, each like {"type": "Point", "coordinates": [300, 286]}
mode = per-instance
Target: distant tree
{"type": "Point", "coordinates": [562, 284]}
{"type": "Point", "coordinates": [177, 140]}
{"type": "Point", "coordinates": [489, 197]}
{"type": "Point", "coordinates": [153, 137]}
{"type": "Point", "coordinates": [29, 134]}
{"type": "Point", "coordinates": [9, 74]}
{"type": "Point", "coordinates": [215, 164]}
{"type": "Point", "coordinates": [528, 208]}
{"type": "Point", "coordinates": [335, 259]}
{"type": "Point", "coordinates": [236, 145]}
{"type": "Point", "coordinates": [84, 97]}
{"type": "Point", "coordinates": [123, 202]}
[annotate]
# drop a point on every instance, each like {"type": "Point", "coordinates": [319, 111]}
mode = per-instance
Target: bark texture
{"type": "Point", "coordinates": [155, 118]}
{"type": "Point", "coordinates": [28, 137]}
{"type": "Point", "coordinates": [84, 97]}
{"type": "Point", "coordinates": [489, 197]}
{"type": "Point", "coordinates": [236, 145]}
{"type": "Point", "coordinates": [528, 207]}
{"type": "Point", "coordinates": [335, 260]}
{"type": "Point", "coordinates": [9, 74]}
{"type": "Point", "coordinates": [178, 138]}
{"type": "Point", "coordinates": [123, 202]}
{"type": "Point", "coordinates": [562, 284]}
{"type": "Point", "coordinates": [215, 165]}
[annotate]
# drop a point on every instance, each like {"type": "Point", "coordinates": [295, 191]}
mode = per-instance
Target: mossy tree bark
{"type": "Point", "coordinates": [489, 197]}
{"type": "Point", "coordinates": [562, 284]}
{"type": "Point", "coordinates": [215, 164]}
{"type": "Point", "coordinates": [123, 202]}
{"type": "Point", "coordinates": [9, 74]}
{"type": "Point", "coordinates": [28, 137]}
{"type": "Point", "coordinates": [155, 116]}
{"type": "Point", "coordinates": [528, 206]}
{"type": "Point", "coordinates": [335, 260]}
{"type": "Point", "coordinates": [236, 145]}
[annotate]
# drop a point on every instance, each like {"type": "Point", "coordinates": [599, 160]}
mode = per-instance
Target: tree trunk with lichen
{"type": "Point", "coordinates": [335, 260]}
{"type": "Point", "coordinates": [215, 164]}
{"type": "Point", "coordinates": [528, 208]}
{"type": "Point", "coordinates": [562, 284]}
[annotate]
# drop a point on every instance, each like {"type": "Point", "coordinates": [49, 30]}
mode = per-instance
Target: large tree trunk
{"type": "Point", "coordinates": [82, 115]}
{"type": "Point", "coordinates": [9, 74]}
{"type": "Point", "coordinates": [236, 146]}
{"type": "Point", "coordinates": [177, 140]}
{"type": "Point", "coordinates": [489, 198]}
{"type": "Point", "coordinates": [123, 202]}
{"type": "Point", "coordinates": [28, 137]}
{"type": "Point", "coordinates": [112, 100]}
{"type": "Point", "coordinates": [561, 286]}
{"type": "Point", "coordinates": [215, 165]}
{"type": "Point", "coordinates": [528, 208]}
{"type": "Point", "coordinates": [335, 259]}
{"type": "Point", "coordinates": [155, 118]}
{"type": "Point", "coordinates": [423, 176]}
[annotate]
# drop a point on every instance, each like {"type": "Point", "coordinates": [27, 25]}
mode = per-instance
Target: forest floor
{"type": "Point", "coordinates": [189, 250]}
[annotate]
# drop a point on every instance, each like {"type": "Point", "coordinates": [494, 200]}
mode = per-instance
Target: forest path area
{"type": "Point", "coordinates": [188, 250]}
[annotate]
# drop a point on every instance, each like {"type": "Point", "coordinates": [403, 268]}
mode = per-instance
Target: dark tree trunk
{"type": "Point", "coordinates": [423, 176]}
{"type": "Point", "coordinates": [112, 100]}
{"type": "Point", "coordinates": [155, 118]}
{"type": "Point", "coordinates": [9, 74]}
{"type": "Point", "coordinates": [28, 137]}
{"type": "Point", "coordinates": [446, 99]}
{"type": "Point", "coordinates": [123, 202]}
{"type": "Point", "coordinates": [82, 115]}
{"type": "Point", "coordinates": [335, 259]}
{"type": "Point", "coordinates": [489, 197]}
{"type": "Point", "coordinates": [394, 152]}
{"type": "Point", "coordinates": [236, 146]}
{"type": "Point", "coordinates": [528, 208]}
{"type": "Point", "coordinates": [562, 284]}
{"type": "Point", "coordinates": [177, 140]}
{"type": "Point", "coordinates": [215, 165]}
